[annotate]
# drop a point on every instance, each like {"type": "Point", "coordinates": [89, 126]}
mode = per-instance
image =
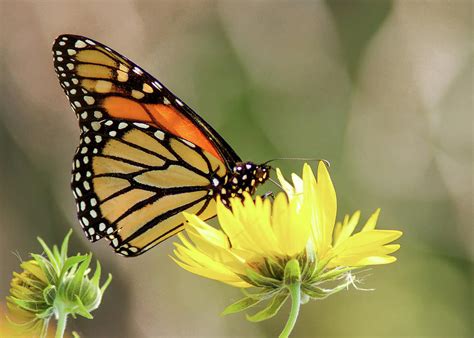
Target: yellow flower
{"type": "Point", "coordinates": [254, 231]}
{"type": "Point", "coordinates": [26, 302]}
{"type": "Point", "coordinates": [333, 242]}
{"type": "Point", "coordinates": [291, 246]}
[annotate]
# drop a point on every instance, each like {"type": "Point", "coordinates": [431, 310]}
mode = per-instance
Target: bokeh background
{"type": "Point", "coordinates": [381, 89]}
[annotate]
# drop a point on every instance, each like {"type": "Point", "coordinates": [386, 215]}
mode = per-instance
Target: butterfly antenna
{"type": "Point", "coordinates": [308, 159]}
{"type": "Point", "coordinates": [276, 183]}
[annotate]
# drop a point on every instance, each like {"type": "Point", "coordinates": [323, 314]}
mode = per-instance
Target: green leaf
{"type": "Point", "coordinates": [241, 305]}
{"type": "Point", "coordinates": [271, 310]}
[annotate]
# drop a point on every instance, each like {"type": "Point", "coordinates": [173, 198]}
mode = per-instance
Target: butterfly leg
{"type": "Point", "coordinates": [268, 194]}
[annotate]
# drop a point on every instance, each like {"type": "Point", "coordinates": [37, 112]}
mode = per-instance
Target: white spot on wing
{"type": "Point", "coordinates": [89, 100]}
{"type": "Point", "coordinates": [188, 143]}
{"type": "Point", "coordinates": [80, 44]}
{"type": "Point", "coordinates": [159, 135]}
{"type": "Point", "coordinates": [141, 125]}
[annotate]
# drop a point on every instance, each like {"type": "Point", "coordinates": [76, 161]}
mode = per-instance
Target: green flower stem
{"type": "Point", "coordinates": [295, 293]}
{"type": "Point", "coordinates": [61, 326]}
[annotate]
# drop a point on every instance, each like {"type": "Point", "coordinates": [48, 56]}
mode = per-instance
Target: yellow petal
{"type": "Point", "coordinates": [297, 183]}
{"type": "Point", "coordinates": [230, 278]}
{"type": "Point", "coordinates": [205, 233]}
{"type": "Point", "coordinates": [348, 228]}
{"type": "Point", "coordinates": [372, 221]}
{"type": "Point", "coordinates": [362, 245]}
{"type": "Point", "coordinates": [376, 260]}
{"type": "Point", "coordinates": [287, 187]}
{"type": "Point", "coordinates": [290, 225]}
{"type": "Point", "coordinates": [321, 197]}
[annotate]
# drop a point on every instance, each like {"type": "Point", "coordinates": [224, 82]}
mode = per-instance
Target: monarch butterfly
{"type": "Point", "coordinates": [144, 156]}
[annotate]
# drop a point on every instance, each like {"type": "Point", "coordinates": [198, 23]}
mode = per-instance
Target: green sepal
{"type": "Point", "coordinates": [331, 275]}
{"type": "Point", "coordinates": [47, 267]}
{"type": "Point", "coordinates": [71, 263]}
{"type": "Point", "coordinates": [308, 266]}
{"type": "Point", "coordinates": [46, 314]}
{"type": "Point", "coordinates": [50, 255]}
{"type": "Point", "coordinates": [29, 305]}
{"type": "Point", "coordinates": [271, 310]}
{"type": "Point", "coordinates": [259, 280]}
{"type": "Point", "coordinates": [272, 268]}
{"type": "Point", "coordinates": [65, 245]}
{"type": "Point", "coordinates": [49, 294]}
{"type": "Point", "coordinates": [314, 291]}
{"type": "Point", "coordinates": [80, 309]}
{"type": "Point", "coordinates": [263, 293]}
{"type": "Point", "coordinates": [74, 287]}
{"type": "Point", "coordinates": [106, 284]}
{"type": "Point", "coordinates": [321, 293]}
{"type": "Point", "coordinates": [240, 305]}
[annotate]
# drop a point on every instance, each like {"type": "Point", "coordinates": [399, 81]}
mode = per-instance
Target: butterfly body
{"type": "Point", "coordinates": [144, 156]}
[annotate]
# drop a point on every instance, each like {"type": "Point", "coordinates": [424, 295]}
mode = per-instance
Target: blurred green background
{"type": "Point", "coordinates": [381, 89]}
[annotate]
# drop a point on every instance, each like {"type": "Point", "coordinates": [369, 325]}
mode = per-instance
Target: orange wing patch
{"type": "Point", "coordinates": [162, 116]}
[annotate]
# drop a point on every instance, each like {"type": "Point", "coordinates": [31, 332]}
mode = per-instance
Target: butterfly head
{"type": "Point", "coordinates": [262, 172]}
{"type": "Point", "coordinates": [244, 177]}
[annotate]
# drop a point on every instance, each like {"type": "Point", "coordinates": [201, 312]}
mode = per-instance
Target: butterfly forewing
{"type": "Point", "coordinates": [100, 82]}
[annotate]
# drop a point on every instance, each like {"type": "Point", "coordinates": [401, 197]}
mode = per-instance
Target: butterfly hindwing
{"type": "Point", "coordinates": [132, 182]}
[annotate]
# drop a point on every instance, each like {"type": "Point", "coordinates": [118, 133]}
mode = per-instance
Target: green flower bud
{"type": "Point", "coordinates": [56, 286]}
